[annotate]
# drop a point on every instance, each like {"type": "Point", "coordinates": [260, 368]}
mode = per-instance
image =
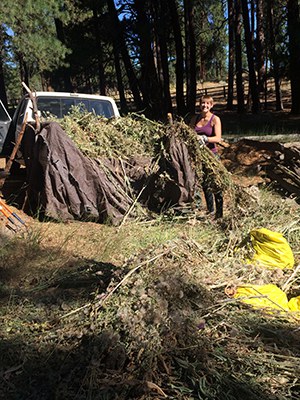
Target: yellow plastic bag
{"type": "Point", "coordinates": [271, 249]}
{"type": "Point", "coordinates": [269, 297]}
{"type": "Point", "coordinates": [263, 296]}
{"type": "Point", "coordinates": [294, 304]}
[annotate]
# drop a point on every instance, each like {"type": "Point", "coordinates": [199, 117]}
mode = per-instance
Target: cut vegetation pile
{"type": "Point", "coordinates": [142, 311]}
{"type": "Point", "coordinates": [116, 169]}
{"type": "Point", "coordinates": [114, 138]}
{"type": "Point", "coordinates": [175, 158]}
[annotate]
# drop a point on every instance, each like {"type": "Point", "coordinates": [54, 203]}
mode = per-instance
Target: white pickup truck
{"type": "Point", "coordinates": [57, 104]}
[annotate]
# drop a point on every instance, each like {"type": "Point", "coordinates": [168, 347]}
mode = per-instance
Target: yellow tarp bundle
{"type": "Point", "coordinates": [271, 249]}
{"type": "Point", "coordinates": [294, 304]}
{"type": "Point", "coordinates": [267, 296]}
{"type": "Point", "coordinates": [263, 296]}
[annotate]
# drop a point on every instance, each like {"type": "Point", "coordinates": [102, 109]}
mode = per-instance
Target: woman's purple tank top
{"type": "Point", "coordinates": [207, 130]}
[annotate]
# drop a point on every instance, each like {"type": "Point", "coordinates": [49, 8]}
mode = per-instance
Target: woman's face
{"type": "Point", "coordinates": [206, 105]}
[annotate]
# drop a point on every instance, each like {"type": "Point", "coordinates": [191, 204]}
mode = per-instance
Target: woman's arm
{"type": "Point", "coordinates": [216, 123]}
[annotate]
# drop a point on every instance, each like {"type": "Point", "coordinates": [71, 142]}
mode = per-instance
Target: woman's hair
{"type": "Point", "coordinates": [207, 98]}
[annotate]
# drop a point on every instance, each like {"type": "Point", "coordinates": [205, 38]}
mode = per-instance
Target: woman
{"type": "Point", "coordinates": [209, 130]}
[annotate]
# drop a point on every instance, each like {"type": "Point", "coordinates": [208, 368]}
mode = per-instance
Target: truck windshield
{"type": "Point", "coordinates": [59, 107]}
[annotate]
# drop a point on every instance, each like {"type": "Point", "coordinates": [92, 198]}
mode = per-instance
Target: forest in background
{"type": "Point", "coordinates": [145, 51]}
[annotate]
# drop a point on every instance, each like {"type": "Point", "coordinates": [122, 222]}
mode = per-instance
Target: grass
{"type": "Point", "coordinates": [139, 312]}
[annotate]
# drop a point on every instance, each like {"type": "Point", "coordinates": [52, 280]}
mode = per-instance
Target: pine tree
{"type": "Point", "coordinates": [32, 36]}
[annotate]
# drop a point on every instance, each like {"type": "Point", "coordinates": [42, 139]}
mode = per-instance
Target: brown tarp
{"type": "Point", "coordinates": [174, 183]}
{"type": "Point", "coordinates": [64, 184]}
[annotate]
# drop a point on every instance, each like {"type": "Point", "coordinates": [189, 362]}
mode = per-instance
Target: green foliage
{"type": "Point", "coordinates": [84, 47]}
{"type": "Point", "coordinates": [12, 79]}
{"type": "Point", "coordinates": [31, 34]}
{"type": "Point", "coordinates": [281, 39]}
{"type": "Point", "coordinates": [211, 37]}
{"type": "Point", "coordinates": [117, 137]}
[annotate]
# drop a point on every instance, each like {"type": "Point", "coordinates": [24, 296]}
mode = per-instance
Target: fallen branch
{"type": "Point", "coordinates": [287, 284]}
{"type": "Point", "coordinates": [109, 294]}
{"type": "Point", "coordinates": [34, 108]}
{"type": "Point", "coordinates": [132, 206]}
{"type": "Point", "coordinates": [154, 386]}
{"type": "Point", "coordinates": [102, 301]}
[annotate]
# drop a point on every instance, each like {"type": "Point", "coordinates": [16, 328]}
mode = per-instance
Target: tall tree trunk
{"type": "Point", "coordinates": [123, 103]}
{"type": "Point", "coordinates": [231, 54]}
{"type": "Point", "coordinates": [238, 57]}
{"type": "Point", "coordinates": [179, 66]}
{"type": "Point", "coordinates": [274, 55]}
{"type": "Point", "coordinates": [24, 74]}
{"type": "Point", "coordinates": [3, 96]}
{"type": "Point", "coordinates": [249, 49]}
{"type": "Point", "coordinates": [116, 52]}
{"type": "Point", "coordinates": [64, 72]}
{"type": "Point", "coordinates": [101, 72]}
{"type": "Point", "coordinates": [122, 48]}
{"type": "Point", "coordinates": [149, 80]}
{"type": "Point", "coordinates": [252, 20]}
{"type": "Point", "coordinates": [160, 21]}
{"type": "Point", "coordinates": [202, 66]}
{"type": "Point", "coordinates": [190, 58]}
{"type": "Point", "coordinates": [294, 48]}
{"type": "Point", "coordinates": [260, 46]}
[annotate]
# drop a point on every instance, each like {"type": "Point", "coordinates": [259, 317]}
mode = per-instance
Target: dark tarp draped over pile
{"type": "Point", "coordinates": [177, 164]}
{"type": "Point", "coordinates": [64, 184]}
{"type": "Point", "coordinates": [174, 183]}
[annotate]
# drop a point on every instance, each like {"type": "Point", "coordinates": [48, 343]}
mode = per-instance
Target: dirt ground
{"type": "Point", "coordinates": [245, 163]}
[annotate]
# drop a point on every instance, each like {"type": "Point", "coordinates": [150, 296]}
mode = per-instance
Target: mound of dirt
{"type": "Point", "coordinates": [254, 162]}
{"type": "Point", "coordinates": [245, 162]}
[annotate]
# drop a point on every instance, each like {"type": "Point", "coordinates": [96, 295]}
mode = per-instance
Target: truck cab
{"type": "Point", "coordinates": [57, 104]}
{"type": "Point", "coordinates": [5, 121]}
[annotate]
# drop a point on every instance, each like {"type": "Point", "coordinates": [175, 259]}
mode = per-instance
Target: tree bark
{"type": "Point", "coordinates": [231, 54]}
{"type": "Point", "coordinates": [118, 69]}
{"type": "Point", "coordinates": [190, 58]}
{"type": "Point", "coordinates": [64, 72]}
{"type": "Point", "coordinates": [101, 72]}
{"type": "Point", "coordinates": [24, 74]}
{"type": "Point", "coordinates": [274, 55]}
{"type": "Point", "coordinates": [238, 57]}
{"type": "Point", "coordinates": [294, 48]}
{"type": "Point", "coordinates": [3, 96]}
{"type": "Point", "coordinates": [123, 103]}
{"type": "Point", "coordinates": [260, 46]}
{"type": "Point", "coordinates": [179, 67]}
{"type": "Point", "coordinates": [149, 80]}
{"type": "Point", "coordinates": [252, 77]}
{"type": "Point", "coordinates": [122, 48]}
{"type": "Point", "coordinates": [160, 22]}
